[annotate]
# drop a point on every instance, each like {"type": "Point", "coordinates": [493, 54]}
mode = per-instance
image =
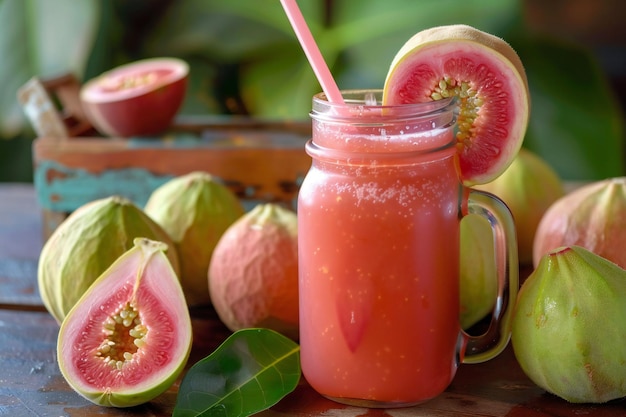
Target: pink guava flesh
{"type": "Point", "coordinates": [129, 336]}
{"type": "Point", "coordinates": [496, 83]}
{"type": "Point", "coordinates": [137, 99]}
{"type": "Point", "coordinates": [153, 356]}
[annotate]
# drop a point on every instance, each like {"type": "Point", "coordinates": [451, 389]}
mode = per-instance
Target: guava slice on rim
{"type": "Point", "coordinates": [129, 336]}
{"type": "Point", "coordinates": [488, 79]}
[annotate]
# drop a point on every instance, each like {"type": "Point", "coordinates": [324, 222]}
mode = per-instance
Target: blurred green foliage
{"type": "Point", "coordinates": [245, 59]}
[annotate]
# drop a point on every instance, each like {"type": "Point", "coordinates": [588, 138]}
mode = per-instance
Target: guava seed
{"type": "Point", "coordinates": [121, 343]}
{"type": "Point", "coordinates": [469, 105]}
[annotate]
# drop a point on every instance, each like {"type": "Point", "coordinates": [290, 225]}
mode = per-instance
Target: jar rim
{"type": "Point", "coordinates": [365, 106]}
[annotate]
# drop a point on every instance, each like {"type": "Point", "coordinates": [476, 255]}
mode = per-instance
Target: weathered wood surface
{"type": "Point", "coordinates": [31, 383]}
{"type": "Point", "coordinates": [258, 165]}
{"type": "Point", "coordinates": [255, 165]}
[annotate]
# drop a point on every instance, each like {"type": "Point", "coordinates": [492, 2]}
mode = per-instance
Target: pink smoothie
{"type": "Point", "coordinates": [379, 240]}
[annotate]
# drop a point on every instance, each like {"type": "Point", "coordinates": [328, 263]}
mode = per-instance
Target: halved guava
{"type": "Point", "coordinates": [140, 98]}
{"type": "Point", "coordinates": [129, 336]}
{"type": "Point", "coordinates": [488, 79]}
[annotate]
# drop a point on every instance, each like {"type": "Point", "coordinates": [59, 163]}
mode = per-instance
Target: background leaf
{"type": "Point", "coordinates": [249, 372]}
{"type": "Point", "coordinates": [371, 32]}
{"type": "Point", "coordinates": [575, 123]}
{"type": "Point", "coordinates": [37, 40]}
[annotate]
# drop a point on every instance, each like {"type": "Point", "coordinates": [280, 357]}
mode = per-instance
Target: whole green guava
{"type": "Point", "coordinates": [569, 326]}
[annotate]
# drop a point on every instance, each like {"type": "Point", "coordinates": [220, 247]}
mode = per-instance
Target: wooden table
{"type": "Point", "coordinates": [31, 384]}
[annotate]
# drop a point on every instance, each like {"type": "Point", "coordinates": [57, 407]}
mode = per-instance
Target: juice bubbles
{"type": "Point", "coordinates": [378, 244]}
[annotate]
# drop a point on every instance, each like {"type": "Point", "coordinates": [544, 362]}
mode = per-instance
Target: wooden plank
{"type": "Point", "coordinates": [40, 109]}
{"type": "Point", "coordinates": [53, 106]}
{"type": "Point", "coordinates": [69, 173]}
{"type": "Point", "coordinates": [18, 284]}
{"type": "Point", "coordinates": [258, 166]}
{"type": "Point", "coordinates": [20, 222]}
{"type": "Point", "coordinates": [20, 244]}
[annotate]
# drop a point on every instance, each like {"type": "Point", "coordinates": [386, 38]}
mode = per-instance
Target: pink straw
{"type": "Point", "coordinates": [312, 52]}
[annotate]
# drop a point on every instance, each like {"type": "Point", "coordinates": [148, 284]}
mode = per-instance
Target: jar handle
{"type": "Point", "coordinates": [476, 349]}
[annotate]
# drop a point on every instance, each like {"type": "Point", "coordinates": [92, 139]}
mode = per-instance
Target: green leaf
{"type": "Point", "coordinates": [222, 30]}
{"type": "Point", "coordinates": [372, 31]}
{"type": "Point", "coordinates": [575, 123]}
{"type": "Point", "coordinates": [40, 38]}
{"type": "Point", "coordinates": [251, 371]}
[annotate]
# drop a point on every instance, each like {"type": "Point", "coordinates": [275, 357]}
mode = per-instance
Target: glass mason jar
{"type": "Point", "coordinates": [379, 226]}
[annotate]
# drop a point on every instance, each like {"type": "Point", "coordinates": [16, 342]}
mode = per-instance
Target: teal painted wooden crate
{"type": "Point", "coordinates": [260, 161]}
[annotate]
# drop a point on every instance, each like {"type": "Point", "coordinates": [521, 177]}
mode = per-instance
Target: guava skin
{"type": "Point", "coordinates": [569, 326]}
{"type": "Point", "coordinates": [253, 275]}
{"type": "Point", "coordinates": [529, 186]}
{"type": "Point", "coordinates": [121, 108]}
{"type": "Point", "coordinates": [592, 216]}
{"type": "Point", "coordinates": [195, 210]}
{"type": "Point", "coordinates": [129, 336]}
{"type": "Point", "coordinates": [478, 281]}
